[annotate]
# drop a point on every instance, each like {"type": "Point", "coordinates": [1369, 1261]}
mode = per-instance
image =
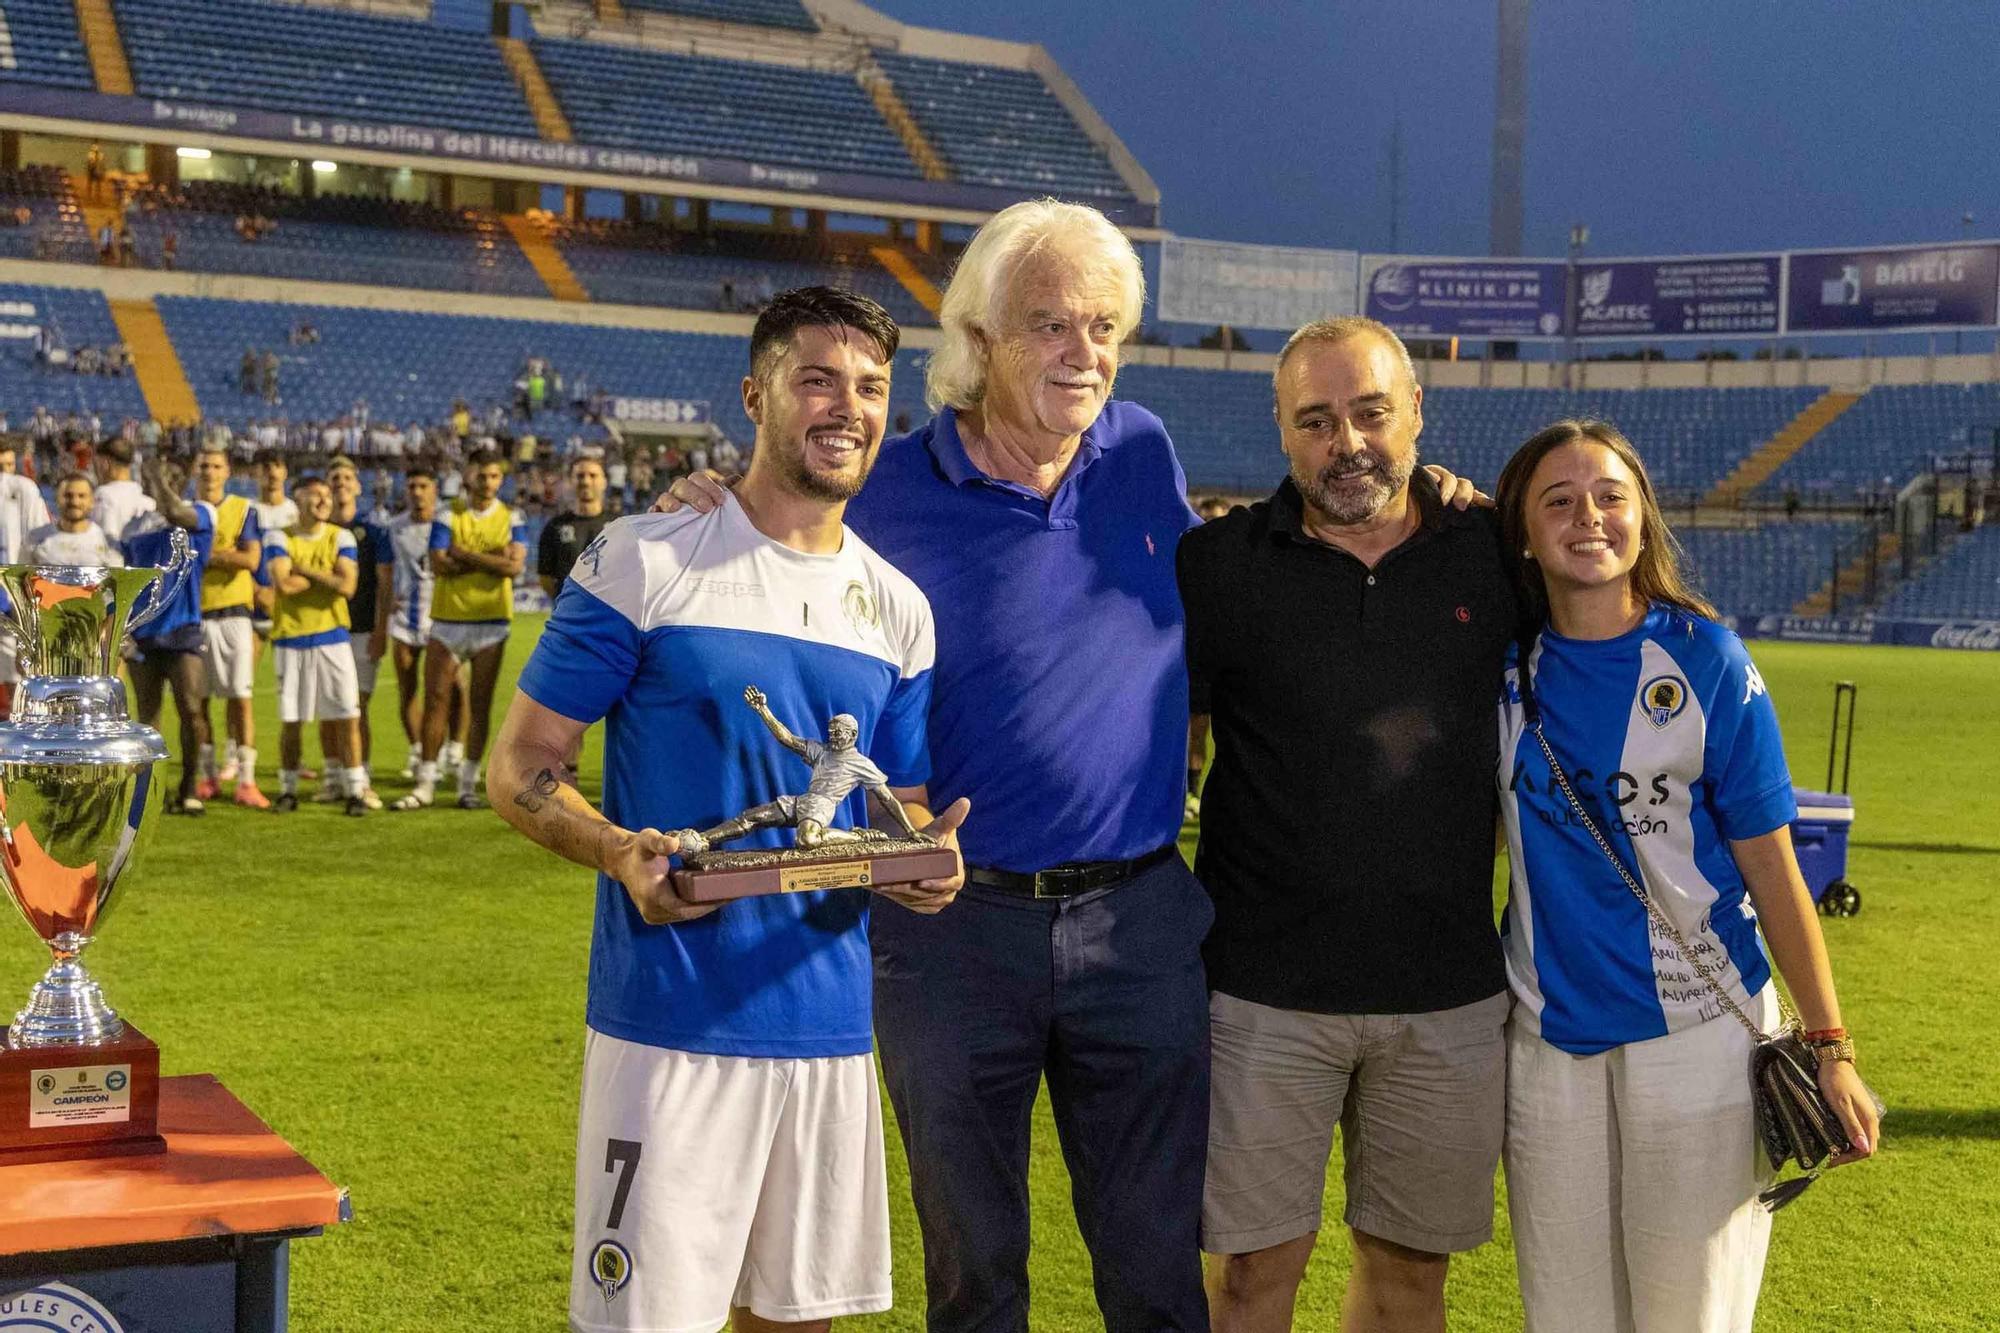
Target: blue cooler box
{"type": "Point", "coordinates": [1819, 835]}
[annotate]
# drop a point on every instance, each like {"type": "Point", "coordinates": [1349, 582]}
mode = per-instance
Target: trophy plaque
{"type": "Point", "coordinates": [77, 797]}
{"type": "Point", "coordinates": [824, 857]}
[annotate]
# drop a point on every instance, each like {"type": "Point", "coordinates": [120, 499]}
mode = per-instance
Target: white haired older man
{"type": "Point", "coordinates": [1040, 518]}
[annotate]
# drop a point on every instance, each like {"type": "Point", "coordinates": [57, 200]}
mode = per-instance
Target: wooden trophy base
{"type": "Point", "coordinates": [58, 1103]}
{"type": "Point", "coordinates": [717, 877]}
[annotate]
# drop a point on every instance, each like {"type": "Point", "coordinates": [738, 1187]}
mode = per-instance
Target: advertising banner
{"type": "Point", "coordinates": [1947, 286]}
{"type": "Point", "coordinates": [1700, 296]}
{"type": "Point", "coordinates": [1469, 298]}
{"type": "Point", "coordinates": [660, 411]}
{"type": "Point", "coordinates": [455, 148]}
{"type": "Point", "coordinates": [1253, 286]}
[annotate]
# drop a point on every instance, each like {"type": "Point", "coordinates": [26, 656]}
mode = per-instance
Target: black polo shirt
{"type": "Point", "coordinates": [1347, 822]}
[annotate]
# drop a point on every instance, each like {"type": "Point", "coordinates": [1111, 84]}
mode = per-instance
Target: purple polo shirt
{"type": "Point", "coordinates": [1059, 702]}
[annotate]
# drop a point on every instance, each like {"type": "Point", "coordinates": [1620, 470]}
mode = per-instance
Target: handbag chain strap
{"type": "Point", "coordinates": [1659, 917]}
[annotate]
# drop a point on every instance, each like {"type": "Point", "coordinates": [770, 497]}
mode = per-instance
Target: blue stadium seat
{"type": "Point", "coordinates": [316, 60]}
{"type": "Point", "coordinates": [409, 367]}
{"type": "Point", "coordinates": [1691, 438]}
{"type": "Point", "coordinates": [999, 126]}
{"type": "Point", "coordinates": [1765, 570]}
{"type": "Point", "coordinates": [54, 228]}
{"type": "Point", "coordinates": [643, 265]}
{"type": "Point", "coordinates": [1963, 582]}
{"type": "Point", "coordinates": [1888, 437]}
{"type": "Point", "coordinates": [75, 318]}
{"type": "Point", "coordinates": [622, 96]}
{"type": "Point", "coordinates": [43, 44]}
{"type": "Point", "coordinates": [762, 13]}
{"type": "Point", "coordinates": [335, 239]}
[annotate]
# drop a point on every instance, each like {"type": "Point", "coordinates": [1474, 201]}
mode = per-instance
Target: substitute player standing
{"type": "Point", "coordinates": [407, 551]}
{"type": "Point", "coordinates": [368, 637]}
{"type": "Point", "coordinates": [478, 548]}
{"type": "Point", "coordinates": [311, 570]}
{"type": "Point", "coordinates": [729, 1155]}
{"type": "Point", "coordinates": [276, 511]}
{"type": "Point", "coordinates": [229, 646]}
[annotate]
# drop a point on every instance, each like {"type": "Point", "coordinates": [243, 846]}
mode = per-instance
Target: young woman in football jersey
{"type": "Point", "coordinates": [1633, 1166]}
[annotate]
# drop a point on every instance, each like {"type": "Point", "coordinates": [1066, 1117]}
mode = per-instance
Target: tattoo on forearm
{"type": "Point", "coordinates": [539, 791]}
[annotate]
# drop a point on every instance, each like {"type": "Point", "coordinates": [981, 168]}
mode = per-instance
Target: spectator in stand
{"type": "Point", "coordinates": [72, 539]}
{"type": "Point", "coordinates": [268, 378]}
{"type": "Point", "coordinates": [642, 477]}
{"type": "Point", "coordinates": [22, 511]}
{"type": "Point", "coordinates": [727, 458]}
{"type": "Point", "coordinates": [170, 249]}
{"type": "Point", "coordinates": [119, 499]}
{"type": "Point", "coordinates": [93, 172]}
{"type": "Point", "coordinates": [567, 533]}
{"type": "Point", "coordinates": [614, 471]}
{"type": "Point", "coordinates": [246, 372]}
{"type": "Point", "coordinates": [461, 420]}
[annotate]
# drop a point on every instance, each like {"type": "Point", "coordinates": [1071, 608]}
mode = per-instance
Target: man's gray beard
{"type": "Point", "coordinates": [1351, 507]}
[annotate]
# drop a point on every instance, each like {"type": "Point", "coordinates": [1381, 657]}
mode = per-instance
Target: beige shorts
{"type": "Point", "coordinates": [466, 639]}
{"type": "Point", "coordinates": [1420, 1100]}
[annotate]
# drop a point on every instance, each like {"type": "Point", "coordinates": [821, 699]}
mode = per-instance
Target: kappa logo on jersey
{"type": "Point", "coordinates": [1662, 698]}
{"type": "Point", "coordinates": [593, 553]}
{"type": "Point", "coordinates": [1753, 682]}
{"type": "Point", "coordinates": [610, 1268]}
{"type": "Point", "coordinates": [859, 607]}
{"type": "Point", "coordinates": [55, 1305]}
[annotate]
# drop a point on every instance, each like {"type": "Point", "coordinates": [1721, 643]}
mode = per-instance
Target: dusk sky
{"type": "Point", "coordinates": [1670, 126]}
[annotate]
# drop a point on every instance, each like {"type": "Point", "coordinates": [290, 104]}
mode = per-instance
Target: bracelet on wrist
{"type": "Point", "coordinates": [1829, 1052]}
{"type": "Point", "coordinates": [1825, 1034]}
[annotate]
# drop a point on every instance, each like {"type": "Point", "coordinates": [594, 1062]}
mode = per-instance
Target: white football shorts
{"type": "Point", "coordinates": [316, 683]}
{"type": "Point", "coordinates": [229, 651]}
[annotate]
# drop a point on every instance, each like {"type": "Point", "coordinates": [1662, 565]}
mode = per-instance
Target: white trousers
{"type": "Point", "coordinates": [1632, 1178]}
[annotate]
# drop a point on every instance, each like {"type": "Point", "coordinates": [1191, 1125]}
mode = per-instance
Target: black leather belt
{"type": "Point", "coordinates": [1068, 880]}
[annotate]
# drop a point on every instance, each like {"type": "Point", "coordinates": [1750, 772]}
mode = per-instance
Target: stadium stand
{"type": "Point", "coordinates": [623, 96]}
{"type": "Point", "coordinates": [312, 59]}
{"type": "Point", "coordinates": [1221, 423]}
{"type": "Point", "coordinates": [639, 264]}
{"type": "Point", "coordinates": [1964, 581]}
{"type": "Point", "coordinates": [761, 13]}
{"type": "Point", "coordinates": [71, 319]}
{"type": "Point", "coordinates": [43, 44]}
{"type": "Point", "coordinates": [409, 367]}
{"type": "Point", "coordinates": [334, 239]}
{"type": "Point", "coordinates": [1765, 570]}
{"type": "Point", "coordinates": [999, 126]}
{"type": "Point", "coordinates": [1888, 437]}
{"type": "Point", "coordinates": [52, 228]}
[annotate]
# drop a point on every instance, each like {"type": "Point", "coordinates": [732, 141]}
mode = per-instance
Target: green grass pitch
{"type": "Point", "coordinates": [402, 998]}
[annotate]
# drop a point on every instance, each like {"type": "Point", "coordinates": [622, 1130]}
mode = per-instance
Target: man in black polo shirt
{"type": "Point", "coordinates": [1346, 638]}
{"type": "Point", "coordinates": [566, 534]}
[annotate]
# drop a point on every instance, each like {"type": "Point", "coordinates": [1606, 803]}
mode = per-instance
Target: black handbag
{"type": "Point", "coordinates": [1795, 1122]}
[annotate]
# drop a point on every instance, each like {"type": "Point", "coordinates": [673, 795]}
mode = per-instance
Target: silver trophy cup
{"type": "Point", "coordinates": [76, 776]}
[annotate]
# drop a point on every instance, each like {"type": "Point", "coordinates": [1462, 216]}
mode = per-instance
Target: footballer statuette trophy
{"type": "Point", "coordinates": [76, 797]}
{"type": "Point", "coordinates": [825, 857]}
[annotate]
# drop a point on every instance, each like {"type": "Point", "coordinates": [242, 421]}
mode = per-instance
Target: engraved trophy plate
{"type": "Point", "coordinates": [826, 857]}
{"type": "Point", "coordinates": [77, 800]}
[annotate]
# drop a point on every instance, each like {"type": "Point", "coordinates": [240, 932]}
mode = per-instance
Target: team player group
{"type": "Point", "coordinates": [299, 574]}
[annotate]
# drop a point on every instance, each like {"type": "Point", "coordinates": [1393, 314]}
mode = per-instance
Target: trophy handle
{"type": "Point", "coordinates": [169, 581]}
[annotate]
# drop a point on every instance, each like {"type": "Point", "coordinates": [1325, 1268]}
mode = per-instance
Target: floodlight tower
{"type": "Point", "coordinates": [1510, 127]}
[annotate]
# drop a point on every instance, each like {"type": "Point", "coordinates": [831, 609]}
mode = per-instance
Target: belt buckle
{"type": "Point", "coordinates": [1052, 877]}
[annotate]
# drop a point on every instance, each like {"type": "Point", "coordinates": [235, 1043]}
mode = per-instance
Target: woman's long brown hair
{"type": "Point", "coordinates": [1656, 575]}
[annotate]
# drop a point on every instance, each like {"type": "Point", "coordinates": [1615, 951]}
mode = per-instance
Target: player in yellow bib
{"type": "Point", "coordinates": [478, 548]}
{"type": "Point", "coordinates": [229, 647]}
{"type": "Point", "coordinates": [312, 571]}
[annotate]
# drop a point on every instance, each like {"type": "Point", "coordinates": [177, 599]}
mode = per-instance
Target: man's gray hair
{"type": "Point", "coordinates": [975, 299]}
{"type": "Point", "coordinates": [1339, 330]}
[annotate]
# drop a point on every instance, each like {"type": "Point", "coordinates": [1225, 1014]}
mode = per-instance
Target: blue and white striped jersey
{"type": "Point", "coordinates": [409, 542]}
{"type": "Point", "coordinates": [664, 620]}
{"type": "Point", "coordinates": [1671, 743]}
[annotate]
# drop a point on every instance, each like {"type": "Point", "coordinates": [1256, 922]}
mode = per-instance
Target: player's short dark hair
{"type": "Point", "coordinates": [263, 456]}
{"type": "Point", "coordinates": [71, 476]}
{"type": "Point", "coordinates": [818, 307]}
{"type": "Point", "coordinates": [11, 444]}
{"type": "Point", "coordinates": [581, 459]}
{"type": "Point", "coordinates": [305, 479]}
{"type": "Point", "coordinates": [118, 449]}
{"type": "Point", "coordinates": [484, 458]}
{"type": "Point", "coordinates": [424, 470]}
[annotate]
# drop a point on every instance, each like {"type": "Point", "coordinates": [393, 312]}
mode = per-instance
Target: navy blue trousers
{"type": "Point", "coordinates": [1104, 994]}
